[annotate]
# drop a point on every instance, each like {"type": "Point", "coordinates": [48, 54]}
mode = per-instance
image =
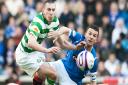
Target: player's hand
{"type": "Point", "coordinates": [54, 34]}
{"type": "Point", "coordinates": [53, 50]}
{"type": "Point", "coordinates": [80, 45]}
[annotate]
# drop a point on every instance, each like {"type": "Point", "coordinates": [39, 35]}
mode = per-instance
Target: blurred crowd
{"type": "Point", "coordinates": [110, 15]}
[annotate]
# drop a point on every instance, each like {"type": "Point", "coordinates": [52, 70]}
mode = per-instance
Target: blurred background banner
{"type": "Point", "coordinates": [112, 46]}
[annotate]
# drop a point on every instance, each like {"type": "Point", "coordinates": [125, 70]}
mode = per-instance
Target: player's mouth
{"type": "Point", "coordinates": [90, 41]}
{"type": "Point", "coordinates": [50, 18]}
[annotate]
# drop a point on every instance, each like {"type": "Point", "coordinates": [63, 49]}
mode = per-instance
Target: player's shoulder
{"type": "Point", "coordinates": [39, 15]}
{"type": "Point", "coordinates": [93, 51]}
{"type": "Point", "coordinates": [75, 33]}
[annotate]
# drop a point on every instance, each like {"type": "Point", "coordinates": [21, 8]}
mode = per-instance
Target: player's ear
{"type": "Point", "coordinates": [43, 10]}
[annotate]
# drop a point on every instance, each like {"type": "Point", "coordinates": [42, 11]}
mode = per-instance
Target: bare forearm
{"type": "Point", "coordinates": [37, 47]}
{"type": "Point", "coordinates": [68, 45]}
{"type": "Point", "coordinates": [64, 30]}
{"type": "Point", "coordinates": [65, 44]}
{"type": "Point", "coordinates": [34, 45]}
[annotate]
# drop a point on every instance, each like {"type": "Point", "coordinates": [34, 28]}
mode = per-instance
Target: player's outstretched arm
{"type": "Point", "coordinates": [32, 43]}
{"type": "Point", "coordinates": [65, 44]}
{"type": "Point", "coordinates": [58, 33]}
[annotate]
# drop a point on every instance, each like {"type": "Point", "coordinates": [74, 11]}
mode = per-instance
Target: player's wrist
{"type": "Point", "coordinates": [61, 32]}
{"type": "Point", "coordinates": [45, 50]}
{"type": "Point", "coordinates": [74, 47]}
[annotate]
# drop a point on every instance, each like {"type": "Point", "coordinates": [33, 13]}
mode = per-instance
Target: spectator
{"type": "Point", "coordinates": [30, 9]}
{"type": "Point", "coordinates": [10, 29]}
{"type": "Point", "coordinates": [120, 52]}
{"type": "Point", "coordinates": [124, 68]}
{"type": "Point", "coordinates": [99, 13]}
{"type": "Point", "coordinates": [2, 46]}
{"type": "Point", "coordinates": [5, 15]}
{"type": "Point", "coordinates": [119, 28]}
{"type": "Point", "coordinates": [67, 16]}
{"type": "Point", "coordinates": [107, 28]}
{"type": "Point", "coordinates": [113, 13]}
{"type": "Point", "coordinates": [90, 4]}
{"type": "Point", "coordinates": [124, 42]}
{"type": "Point", "coordinates": [14, 5]}
{"type": "Point", "coordinates": [122, 4]}
{"type": "Point", "coordinates": [80, 7]}
{"type": "Point", "coordinates": [111, 64]}
{"type": "Point", "coordinates": [104, 49]}
{"type": "Point", "coordinates": [10, 52]}
{"type": "Point", "coordinates": [118, 72]}
{"type": "Point", "coordinates": [90, 20]}
{"type": "Point", "coordinates": [102, 72]}
{"type": "Point", "coordinates": [39, 7]}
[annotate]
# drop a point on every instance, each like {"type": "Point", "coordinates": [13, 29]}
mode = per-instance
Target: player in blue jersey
{"type": "Point", "coordinates": [67, 70]}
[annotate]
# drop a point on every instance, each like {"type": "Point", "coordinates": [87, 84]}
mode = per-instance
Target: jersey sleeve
{"type": "Point", "coordinates": [93, 71]}
{"type": "Point", "coordinates": [93, 76]}
{"type": "Point", "coordinates": [36, 26]}
{"type": "Point", "coordinates": [93, 51]}
{"type": "Point", "coordinates": [75, 37]}
{"type": "Point", "coordinates": [34, 29]}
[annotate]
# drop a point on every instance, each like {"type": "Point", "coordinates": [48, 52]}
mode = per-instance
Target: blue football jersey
{"type": "Point", "coordinates": [70, 64]}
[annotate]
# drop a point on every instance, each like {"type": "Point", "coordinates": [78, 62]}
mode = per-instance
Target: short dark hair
{"type": "Point", "coordinates": [49, 1]}
{"type": "Point", "coordinates": [94, 27]}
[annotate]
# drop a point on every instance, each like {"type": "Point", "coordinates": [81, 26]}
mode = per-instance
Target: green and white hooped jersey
{"type": "Point", "coordinates": [39, 27]}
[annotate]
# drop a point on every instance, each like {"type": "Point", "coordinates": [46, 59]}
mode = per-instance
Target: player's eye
{"type": "Point", "coordinates": [90, 33]}
{"type": "Point", "coordinates": [94, 35]}
{"type": "Point", "coordinates": [53, 9]}
{"type": "Point", "coordinates": [49, 9]}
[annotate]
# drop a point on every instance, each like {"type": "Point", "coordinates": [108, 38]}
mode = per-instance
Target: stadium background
{"type": "Point", "coordinates": [112, 47]}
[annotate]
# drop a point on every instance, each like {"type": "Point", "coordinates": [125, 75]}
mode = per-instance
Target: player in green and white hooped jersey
{"type": "Point", "coordinates": [28, 55]}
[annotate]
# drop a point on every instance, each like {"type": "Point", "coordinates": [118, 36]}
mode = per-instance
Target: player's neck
{"type": "Point", "coordinates": [89, 48]}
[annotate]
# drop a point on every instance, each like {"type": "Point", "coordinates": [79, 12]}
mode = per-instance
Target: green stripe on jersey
{"type": "Point", "coordinates": [26, 49]}
{"type": "Point", "coordinates": [56, 28]}
{"type": "Point", "coordinates": [33, 32]}
{"type": "Point", "coordinates": [26, 39]}
{"type": "Point", "coordinates": [55, 19]}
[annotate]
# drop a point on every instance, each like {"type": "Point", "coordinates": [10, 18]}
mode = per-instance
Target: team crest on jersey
{"type": "Point", "coordinates": [36, 29]}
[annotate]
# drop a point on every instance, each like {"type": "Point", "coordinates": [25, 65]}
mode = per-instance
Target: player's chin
{"type": "Point", "coordinates": [50, 19]}
{"type": "Point", "coordinates": [90, 43]}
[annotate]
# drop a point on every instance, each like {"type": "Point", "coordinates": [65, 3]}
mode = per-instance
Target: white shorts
{"type": "Point", "coordinates": [29, 62]}
{"type": "Point", "coordinates": [62, 75]}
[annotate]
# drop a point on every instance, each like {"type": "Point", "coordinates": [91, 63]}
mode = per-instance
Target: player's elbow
{"type": "Point", "coordinates": [31, 43]}
{"type": "Point", "coordinates": [65, 30]}
{"type": "Point", "coordinates": [63, 45]}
